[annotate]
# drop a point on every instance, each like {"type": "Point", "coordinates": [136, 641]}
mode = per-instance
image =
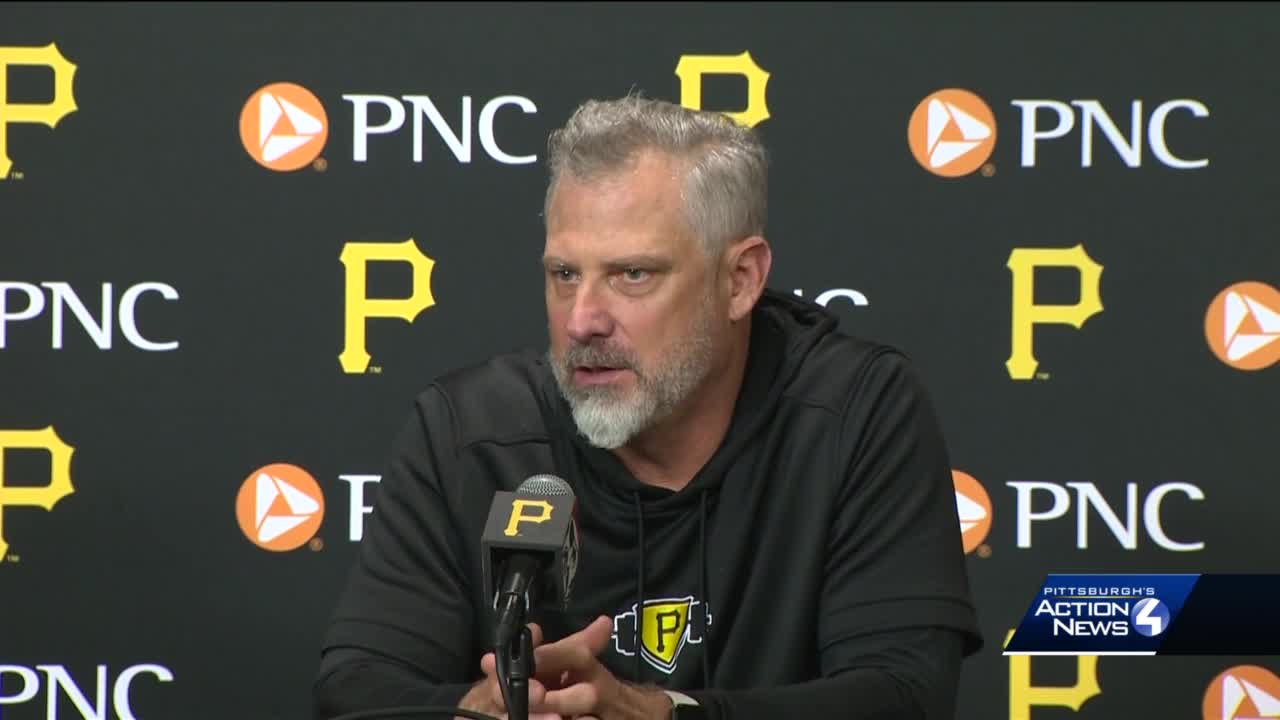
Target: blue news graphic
{"type": "Point", "coordinates": [1101, 614]}
{"type": "Point", "coordinates": [1135, 614]}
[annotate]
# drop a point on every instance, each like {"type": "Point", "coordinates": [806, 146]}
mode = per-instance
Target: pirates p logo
{"type": "Point", "coordinates": [518, 515]}
{"type": "Point", "coordinates": [33, 495]}
{"type": "Point", "coordinates": [49, 113]}
{"type": "Point", "coordinates": [669, 625]}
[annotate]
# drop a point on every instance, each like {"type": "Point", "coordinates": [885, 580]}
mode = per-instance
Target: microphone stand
{"type": "Point", "coordinates": [514, 659]}
{"type": "Point", "coordinates": [520, 657]}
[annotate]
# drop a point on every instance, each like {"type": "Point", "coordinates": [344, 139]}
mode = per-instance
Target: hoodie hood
{"type": "Point", "coordinates": [617, 510]}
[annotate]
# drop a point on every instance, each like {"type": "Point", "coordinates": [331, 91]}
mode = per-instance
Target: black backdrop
{"type": "Point", "coordinates": [141, 584]}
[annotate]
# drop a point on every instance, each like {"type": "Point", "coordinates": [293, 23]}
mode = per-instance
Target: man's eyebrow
{"type": "Point", "coordinates": [647, 262]}
{"type": "Point", "coordinates": [551, 261]}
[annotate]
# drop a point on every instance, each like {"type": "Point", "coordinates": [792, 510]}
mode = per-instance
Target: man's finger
{"type": "Point", "coordinates": [574, 700]}
{"type": "Point", "coordinates": [551, 679]}
{"type": "Point", "coordinates": [570, 653]}
{"type": "Point", "coordinates": [577, 651]}
{"type": "Point", "coordinates": [597, 634]}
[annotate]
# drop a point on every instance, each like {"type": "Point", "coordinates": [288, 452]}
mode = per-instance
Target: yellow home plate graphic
{"type": "Point", "coordinates": [1244, 692]}
{"type": "Point", "coordinates": [973, 505]}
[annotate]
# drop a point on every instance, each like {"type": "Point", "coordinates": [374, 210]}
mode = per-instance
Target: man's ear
{"type": "Point", "coordinates": [748, 263]}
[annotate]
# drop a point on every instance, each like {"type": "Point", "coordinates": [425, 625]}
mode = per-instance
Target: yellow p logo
{"type": "Point", "coordinates": [63, 103]}
{"type": "Point", "coordinates": [59, 472]}
{"type": "Point", "coordinates": [518, 515]}
{"type": "Point", "coordinates": [691, 68]}
{"type": "Point", "coordinates": [1023, 695]}
{"type": "Point", "coordinates": [1026, 314]}
{"type": "Point", "coordinates": [359, 307]}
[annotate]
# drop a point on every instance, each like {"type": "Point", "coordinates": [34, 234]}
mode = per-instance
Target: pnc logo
{"type": "Point", "coordinates": [283, 126]}
{"type": "Point", "coordinates": [1243, 326]}
{"type": "Point", "coordinates": [280, 507]}
{"type": "Point", "coordinates": [65, 300]}
{"type": "Point", "coordinates": [1244, 692]}
{"type": "Point", "coordinates": [952, 132]}
{"type": "Point", "coordinates": [41, 496]}
{"type": "Point", "coordinates": [31, 690]}
{"type": "Point", "coordinates": [692, 68]}
{"type": "Point", "coordinates": [973, 505]}
{"type": "Point", "coordinates": [47, 114]}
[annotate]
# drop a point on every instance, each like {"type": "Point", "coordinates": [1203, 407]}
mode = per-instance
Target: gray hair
{"type": "Point", "coordinates": [725, 186]}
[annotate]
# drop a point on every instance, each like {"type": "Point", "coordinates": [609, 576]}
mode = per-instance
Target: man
{"type": "Point", "coordinates": [767, 519]}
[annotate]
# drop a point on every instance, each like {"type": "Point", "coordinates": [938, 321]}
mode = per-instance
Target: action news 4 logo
{"type": "Point", "coordinates": [1101, 614]}
{"type": "Point", "coordinates": [1149, 614]}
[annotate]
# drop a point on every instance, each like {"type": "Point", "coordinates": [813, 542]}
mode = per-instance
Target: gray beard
{"type": "Point", "coordinates": [607, 417]}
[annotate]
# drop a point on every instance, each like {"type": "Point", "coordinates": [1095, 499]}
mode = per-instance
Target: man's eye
{"type": "Point", "coordinates": [562, 274]}
{"type": "Point", "coordinates": [635, 274]}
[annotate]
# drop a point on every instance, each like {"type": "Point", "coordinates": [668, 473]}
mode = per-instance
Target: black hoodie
{"type": "Point", "coordinates": [813, 565]}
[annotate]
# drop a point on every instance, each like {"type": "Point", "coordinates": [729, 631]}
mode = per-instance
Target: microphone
{"type": "Point", "coordinates": [529, 552]}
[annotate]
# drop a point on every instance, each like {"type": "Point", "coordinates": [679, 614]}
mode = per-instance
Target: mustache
{"type": "Point", "coordinates": [598, 356]}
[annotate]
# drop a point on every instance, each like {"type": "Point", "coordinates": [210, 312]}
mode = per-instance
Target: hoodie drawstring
{"type": "Point", "coordinates": [702, 592]}
{"type": "Point", "coordinates": [703, 619]}
{"type": "Point", "coordinates": [635, 496]}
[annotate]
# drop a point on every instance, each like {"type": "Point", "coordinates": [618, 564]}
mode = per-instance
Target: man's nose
{"type": "Point", "coordinates": [589, 317]}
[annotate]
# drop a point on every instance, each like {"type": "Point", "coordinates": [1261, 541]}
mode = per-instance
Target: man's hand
{"type": "Point", "coordinates": [586, 689]}
{"type": "Point", "coordinates": [486, 696]}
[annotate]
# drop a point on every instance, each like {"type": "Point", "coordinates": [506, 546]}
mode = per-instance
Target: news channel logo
{"type": "Point", "coordinates": [1101, 614]}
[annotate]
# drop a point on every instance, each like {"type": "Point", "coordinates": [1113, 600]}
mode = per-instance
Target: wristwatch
{"type": "Point", "coordinates": [684, 707]}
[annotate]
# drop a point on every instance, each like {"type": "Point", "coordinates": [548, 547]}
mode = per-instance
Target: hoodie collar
{"type": "Point", "coordinates": [783, 330]}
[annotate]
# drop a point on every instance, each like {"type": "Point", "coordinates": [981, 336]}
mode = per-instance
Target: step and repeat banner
{"type": "Point", "coordinates": [236, 241]}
